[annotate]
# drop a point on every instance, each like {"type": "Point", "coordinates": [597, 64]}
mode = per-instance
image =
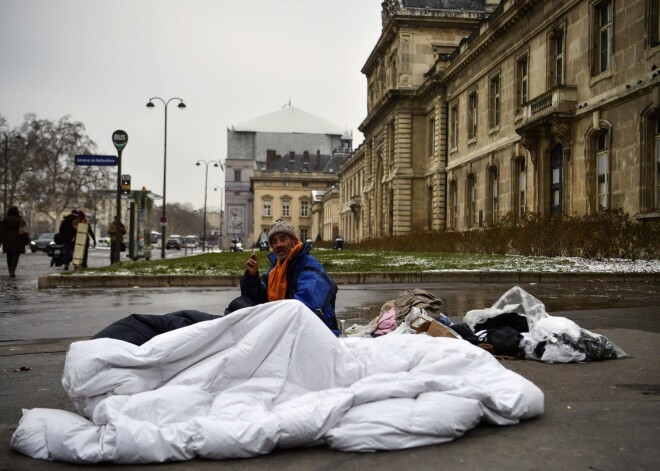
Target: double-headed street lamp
{"type": "Point", "coordinates": [7, 135]}
{"type": "Point", "coordinates": [206, 185]}
{"type": "Point", "coordinates": [163, 219]}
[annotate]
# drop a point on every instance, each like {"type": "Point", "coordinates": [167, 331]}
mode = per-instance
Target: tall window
{"type": "Point", "coordinates": [286, 208]}
{"type": "Point", "coordinates": [556, 179]}
{"type": "Point", "coordinates": [603, 170]}
{"type": "Point", "coordinates": [522, 80]}
{"type": "Point", "coordinates": [494, 101]}
{"type": "Point", "coordinates": [393, 73]}
{"type": "Point", "coordinates": [454, 126]}
{"type": "Point", "coordinates": [431, 137]}
{"type": "Point", "coordinates": [304, 234]}
{"type": "Point", "coordinates": [657, 164]}
{"type": "Point", "coordinates": [473, 202]}
{"type": "Point", "coordinates": [653, 23]}
{"type": "Point", "coordinates": [472, 199]}
{"type": "Point", "coordinates": [453, 195]}
{"type": "Point", "coordinates": [494, 195]}
{"type": "Point", "coordinates": [522, 187]}
{"type": "Point", "coordinates": [602, 36]}
{"type": "Point", "coordinates": [304, 208]}
{"type": "Point", "coordinates": [392, 147]}
{"type": "Point", "coordinates": [237, 175]}
{"type": "Point", "coordinates": [557, 57]}
{"type": "Point", "coordinates": [429, 208]}
{"type": "Point", "coordinates": [267, 209]}
{"type": "Point", "coordinates": [472, 118]}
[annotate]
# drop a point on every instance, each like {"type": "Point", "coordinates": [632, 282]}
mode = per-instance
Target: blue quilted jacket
{"type": "Point", "coordinates": [307, 281]}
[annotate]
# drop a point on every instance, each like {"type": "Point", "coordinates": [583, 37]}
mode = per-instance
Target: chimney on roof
{"type": "Point", "coordinates": [292, 156]}
{"type": "Point", "coordinates": [270, 157]}
{"type": "Point", "coordinates": [306, 157]}
{"type": "Point", "coordinates": [318, 160]}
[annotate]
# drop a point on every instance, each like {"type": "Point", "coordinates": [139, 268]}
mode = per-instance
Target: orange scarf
{"type": "Point", "coordinates": [277, 276]}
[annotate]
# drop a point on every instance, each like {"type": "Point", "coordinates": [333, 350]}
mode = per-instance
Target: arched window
{"type": "Point", "coordinates": [656, 204]}
{"type": "Point", "coordinates": [453, 205]}
{"type": "Point", "coordinates": [472, 200]}
{"type": "Point", "coordinates": [556, 179]}
{"type": "Point", "coordinates": [521, 187]}
{"type": "Point", "coordinates": [493, 195]}
{"type": "Point", "coordinates": [603, 170]}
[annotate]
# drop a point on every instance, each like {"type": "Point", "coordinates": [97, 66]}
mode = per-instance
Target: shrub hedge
{"type": "Point", "coordinates": [602, 236]}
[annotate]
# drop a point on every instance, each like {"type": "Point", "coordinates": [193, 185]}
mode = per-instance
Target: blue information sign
{"type": "Point", "coordinates": [101, 160]}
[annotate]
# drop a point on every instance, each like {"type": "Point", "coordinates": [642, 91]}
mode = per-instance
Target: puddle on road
{"type": "Point", "coordinates": [459, 298]}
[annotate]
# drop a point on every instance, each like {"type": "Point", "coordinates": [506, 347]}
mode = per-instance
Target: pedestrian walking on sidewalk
{"type": "Point", "coordinates": [14, 237]}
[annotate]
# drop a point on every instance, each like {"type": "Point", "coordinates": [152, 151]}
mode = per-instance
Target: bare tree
{"type": "Point", "coordinates": [13, 164]}
{"type": "Point", "coordinates": [47, 170]}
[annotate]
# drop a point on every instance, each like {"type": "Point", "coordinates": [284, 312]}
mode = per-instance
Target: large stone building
{"type": "Point", "coordinates": [287, 130]}
{"type": "Point", "coordinates": [477, 109]}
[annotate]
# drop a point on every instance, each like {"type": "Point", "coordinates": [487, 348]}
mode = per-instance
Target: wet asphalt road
{"type": "Point", "coordinates": [28, 314]}
{"type": "Point", "coordinates": [599, 416]}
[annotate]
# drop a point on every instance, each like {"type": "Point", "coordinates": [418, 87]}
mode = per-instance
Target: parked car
{"type": "Point", "coordinates": [173, 242]}
{"type": "Point", "coordinates": [44, 243]}
{"type": "Point", "coordinates": [103, 242]}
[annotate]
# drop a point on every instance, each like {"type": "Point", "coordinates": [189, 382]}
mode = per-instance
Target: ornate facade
{"type": "Point", "coordinates": [546, 106]}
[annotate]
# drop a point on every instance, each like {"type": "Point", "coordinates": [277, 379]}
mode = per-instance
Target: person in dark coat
{"type": "Point", "coordinates": [68, 237]}
{"type": "Point", "coordinates": [14, 237]}
{"type": "Point", "coordinates": [293, 274]}
{"type": "Point", "coordinates": [116, 235]}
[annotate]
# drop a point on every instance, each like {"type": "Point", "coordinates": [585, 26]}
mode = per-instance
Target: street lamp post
{"type": "Point", "coordinates": [7, 136]}
{"type": "Point", "coordinates": [222, 191]}
{"type": "Point", "coordinates": [97, 177]}
{"type": "Point", "coordinates": [163, 219]}
{"type": "Point", "coordinates": [206, 185]}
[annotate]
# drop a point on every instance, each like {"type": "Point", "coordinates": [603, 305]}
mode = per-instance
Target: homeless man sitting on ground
{"type": "Point", "coordinates": [294, 274]}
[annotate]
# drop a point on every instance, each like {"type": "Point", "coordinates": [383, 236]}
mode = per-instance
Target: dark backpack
{"type": "Point", "coordinates": [505, 341]}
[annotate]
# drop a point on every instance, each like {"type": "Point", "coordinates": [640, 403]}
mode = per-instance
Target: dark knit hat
{"type": "Point", "coordinates": [282, 227]}
{"type": "Point", "coordinates": [81, 214]}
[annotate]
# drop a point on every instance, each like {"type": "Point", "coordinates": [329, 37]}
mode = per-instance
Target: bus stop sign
{"type": "Point", "coordinates": [119, 139]}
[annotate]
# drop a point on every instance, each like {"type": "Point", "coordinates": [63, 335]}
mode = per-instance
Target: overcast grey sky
{"type": "Point", "coordinates": [100, 61]}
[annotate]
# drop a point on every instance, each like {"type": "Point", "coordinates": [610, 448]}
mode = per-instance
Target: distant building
{"type": "Point", "coordinates": [290, 186]}
{"type": "Point", "coordinates": [287, 130]}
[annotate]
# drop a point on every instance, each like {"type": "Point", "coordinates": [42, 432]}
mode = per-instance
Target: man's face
{"type": "Point", "coordinates": [282, 245]}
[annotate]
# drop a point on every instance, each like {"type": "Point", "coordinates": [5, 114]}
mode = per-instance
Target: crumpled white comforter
{"type": "Point", "coordinates": [265, 377]}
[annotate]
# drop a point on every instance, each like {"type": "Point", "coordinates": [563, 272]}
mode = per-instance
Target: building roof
{"type": "Point", "coordinates": [298, 163]}
{"type": "Point", "coordinates": [477, 5]}
{"type": "Point", "coordinates": [289, 120]}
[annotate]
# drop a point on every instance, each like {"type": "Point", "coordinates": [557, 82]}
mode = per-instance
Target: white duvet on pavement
{"type": "Point", "coordinates": [265, 377]}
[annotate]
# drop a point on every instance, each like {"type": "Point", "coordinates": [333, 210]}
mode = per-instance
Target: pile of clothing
{"type": "Point", "coordinates": [516, 326]}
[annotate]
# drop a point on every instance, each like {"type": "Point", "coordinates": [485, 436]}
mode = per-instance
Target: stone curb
{"type": "Point", "coordinates": [200, 281]}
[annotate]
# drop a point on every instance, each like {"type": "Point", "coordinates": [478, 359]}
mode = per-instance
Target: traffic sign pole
{"type": "Point", "coordinates": [119, 139]}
